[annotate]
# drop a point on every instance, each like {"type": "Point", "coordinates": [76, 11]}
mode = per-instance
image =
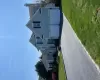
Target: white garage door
{"type": "Point", "coordinates": [54, 15]}
{"type": "Point", "coordinates": [54, 31]}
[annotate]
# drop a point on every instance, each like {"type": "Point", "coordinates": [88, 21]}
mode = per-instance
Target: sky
{"type": "Point", "coordinates": [17, 55]}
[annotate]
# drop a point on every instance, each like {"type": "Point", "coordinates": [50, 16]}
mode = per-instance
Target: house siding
{"type": "Point", "coordinates": [45, 22]}
{"type": "Point", "coordinates": [42, 17]}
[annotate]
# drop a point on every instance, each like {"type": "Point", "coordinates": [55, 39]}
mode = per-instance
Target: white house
{"type": "Point", "coordinates": [45, 22]}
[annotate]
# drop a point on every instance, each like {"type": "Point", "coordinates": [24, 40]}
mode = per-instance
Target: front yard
{"type": "Point", "coordinates": [84, 16]}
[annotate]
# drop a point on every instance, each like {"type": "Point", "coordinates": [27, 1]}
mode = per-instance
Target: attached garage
{"type": "Point", "coordinates": [54, 21]}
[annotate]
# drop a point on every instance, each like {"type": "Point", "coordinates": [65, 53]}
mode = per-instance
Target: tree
{"type": "Point", "coordinates": [40, 69]}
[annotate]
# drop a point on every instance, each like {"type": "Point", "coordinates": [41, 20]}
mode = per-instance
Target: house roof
{"type": "Point", "coordinates": [31, 19]}
{"type": "Point", "coordinates": [32, 39]}
{"type": "Point", "coordinates": [32, 8]}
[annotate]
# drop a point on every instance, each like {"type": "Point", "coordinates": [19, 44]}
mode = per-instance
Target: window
{"type": "Point", "coordinates": [39, 40]}
{"type": "Point", "coordinates": [36, 24]}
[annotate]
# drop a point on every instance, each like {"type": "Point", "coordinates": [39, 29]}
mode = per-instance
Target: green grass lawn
{"type": "Point", "coordinates": [62, 75]}
{"type": "Point", "coordinates": [85, 20]}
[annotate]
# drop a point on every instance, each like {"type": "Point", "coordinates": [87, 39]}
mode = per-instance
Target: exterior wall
{"type": "Point", "coordinates": [43, 18]}
{"type": "Point", "coordinates": [50, 22]}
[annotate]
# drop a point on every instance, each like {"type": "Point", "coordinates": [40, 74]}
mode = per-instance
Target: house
{"type": "Point", "coordinates": [45, 22]}
{"type": "Point", "coordinates": [48, 59]}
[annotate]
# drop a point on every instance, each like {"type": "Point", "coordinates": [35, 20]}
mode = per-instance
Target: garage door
{"type": "Point", "coordinates": [54, 31]}
{"type": "Point", "coordinates": [54, 15]}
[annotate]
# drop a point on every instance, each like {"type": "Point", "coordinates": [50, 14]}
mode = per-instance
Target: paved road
{"type": "Point", "coordinates": [78, 64]}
